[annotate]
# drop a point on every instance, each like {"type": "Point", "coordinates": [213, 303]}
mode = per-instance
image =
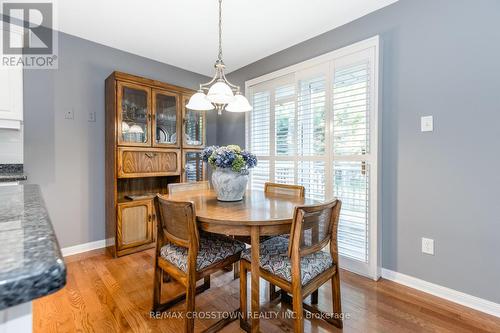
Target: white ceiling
{"type": "Point", "coordinates": [183, 33]}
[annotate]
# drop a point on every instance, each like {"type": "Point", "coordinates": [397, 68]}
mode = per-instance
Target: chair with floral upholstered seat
{"type": "Point", "coordinates": [297, 263]}
{"type": "Point", "coordinates": [186, 254]}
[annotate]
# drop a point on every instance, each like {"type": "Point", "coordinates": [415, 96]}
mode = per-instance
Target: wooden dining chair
{"type": "Point", "coordinates": [289, 190]}
{"type": "Point", "coordinates": [190, 186]}
{"type": "Point", "coordinates": [186, 254]}
{"type": "Point", "coordinates": [285, 189]}
{"type": "Point", "coordinates": [298, 265]}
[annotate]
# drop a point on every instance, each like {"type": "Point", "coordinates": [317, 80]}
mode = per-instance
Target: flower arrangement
{"type": "Point", "coordinates": [230, 156]}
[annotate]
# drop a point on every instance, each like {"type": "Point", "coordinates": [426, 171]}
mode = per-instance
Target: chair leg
{"type": "Point", "coordinates": [236, 270]}
{"type": "Point", "coordinates": [243, 291]}
{"type": "Point", "coordinates": [298, 326]}
{"type": "Point", "coordinates": [190, 306]}
{"type": "Point", "coordinates": [272, 292]}
{"type": "Point", "coordinates": [157, 287]}
{"type": "Point", "coordinates": [314, 297]}
{"type": "Point", "coordinates": [337, 303]}
{"type": "Point", "coordinates": [206, 282]}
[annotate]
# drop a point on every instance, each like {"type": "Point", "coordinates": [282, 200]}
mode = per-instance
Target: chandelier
{"type": "Point", "coordinates": [220, 93]}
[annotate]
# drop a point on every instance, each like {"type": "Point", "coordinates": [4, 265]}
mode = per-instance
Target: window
{"type": "Point", "coordinates": [315, 124]}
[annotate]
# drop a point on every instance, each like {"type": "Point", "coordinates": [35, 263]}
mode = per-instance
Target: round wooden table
{"type": "Point", "coordinates": [257, 214]}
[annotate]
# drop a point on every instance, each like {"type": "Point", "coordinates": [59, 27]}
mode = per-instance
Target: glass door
{"type": "Point", "coordinates": [166, 114]}
{"type": "Point", "coordinates": [194, 169]}
{"type": "Point", "coordinates": [354, 147]}
{"type": "Point", "coordinates": [194, 126]}
{"type": "Point", "coordinates": [318, 127]}
{"type": "Point", "coordinates": [134, 115]}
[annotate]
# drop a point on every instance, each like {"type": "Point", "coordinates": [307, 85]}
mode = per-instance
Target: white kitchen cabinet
{"type": "Point", "coordinates": [11, 95]}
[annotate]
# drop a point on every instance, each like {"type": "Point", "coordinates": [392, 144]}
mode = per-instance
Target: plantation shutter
{"type": "Point", "coordinates": [351, 106]}
{"type": "Point", "coordinates": [316, 127]}
{"type": "Point", "coordinates": [312, 133]}
{"type": "Point", "coordinates": [260, 131]}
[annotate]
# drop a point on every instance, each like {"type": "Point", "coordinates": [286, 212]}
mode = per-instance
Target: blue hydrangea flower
{"type": "Point", "coordinates": [229, 157]}
{"type": "Point", "coordinates": [207, 152]}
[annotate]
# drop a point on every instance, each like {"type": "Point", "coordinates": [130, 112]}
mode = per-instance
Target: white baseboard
{"type": "Point", "coordinates": [452, 295]}
{"type": "Point", "coordinates": [71, 250]}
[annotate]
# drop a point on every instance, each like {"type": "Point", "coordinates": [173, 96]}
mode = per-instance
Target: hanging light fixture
{"type": "Point", "coordinates": [220, 93]}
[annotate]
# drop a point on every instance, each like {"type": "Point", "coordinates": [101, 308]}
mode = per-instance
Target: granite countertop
{"type": "Point", "coordinates": [11, 173]}
{"type": "Point", "coordinates": [31, 263]}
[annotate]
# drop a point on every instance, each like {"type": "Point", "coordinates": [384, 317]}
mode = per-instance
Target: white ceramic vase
{"type": "Point", "coordinates": [229, 185]}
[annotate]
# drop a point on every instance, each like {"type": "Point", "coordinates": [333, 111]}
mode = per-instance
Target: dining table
{"type": "Point", "coordinates": [258, 214]}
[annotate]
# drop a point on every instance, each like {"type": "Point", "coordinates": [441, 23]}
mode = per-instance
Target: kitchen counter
{"type": "Point", "coordinates": [12, 177]}
{"type": "Point", "coordinates": [11, 173]}
{"type": "Point", "coordinates": [31, 263]}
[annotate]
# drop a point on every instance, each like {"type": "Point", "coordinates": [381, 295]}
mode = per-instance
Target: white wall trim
{"type": "Point", "coordinates": [71, 250]}
{"type": "Point", "coordinates": [452, 295]}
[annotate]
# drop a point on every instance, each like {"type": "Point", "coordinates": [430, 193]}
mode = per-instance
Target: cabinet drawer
{"type": "Point", "coordinates": [136, 162]}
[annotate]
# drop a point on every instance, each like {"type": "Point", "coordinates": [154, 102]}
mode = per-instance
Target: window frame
{"type": "Point", "coordinates": [307, 69]}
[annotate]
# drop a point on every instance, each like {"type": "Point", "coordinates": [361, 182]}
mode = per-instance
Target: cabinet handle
{"type": "Point", "coordinates": [150, 155]}
{"type": "Point", "coordinates": [149, 217]}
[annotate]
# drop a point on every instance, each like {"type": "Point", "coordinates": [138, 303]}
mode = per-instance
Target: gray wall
{"type": "Point", "coordinates": [66, 157]}
{"type": "Point", "coordinates": [440, 58]}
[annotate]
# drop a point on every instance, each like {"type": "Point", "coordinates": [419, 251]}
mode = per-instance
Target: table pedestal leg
{"type": "Point", "coordinates": [255, 303]}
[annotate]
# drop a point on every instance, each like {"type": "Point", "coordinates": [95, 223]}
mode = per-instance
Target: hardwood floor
{"type": "Point", "coordinates": [115, 295]}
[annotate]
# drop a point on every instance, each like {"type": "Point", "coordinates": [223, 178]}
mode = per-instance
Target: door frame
{"type": "Point", "coordinates": [372, 268]}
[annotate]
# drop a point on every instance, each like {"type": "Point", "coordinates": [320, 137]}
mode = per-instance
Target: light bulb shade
{"type": "Point", "coordinates": [239, 104]}
{"type": "Point", "coordinates": [220, 93]}
{"type": "Point", "coordinates": [199, 102]}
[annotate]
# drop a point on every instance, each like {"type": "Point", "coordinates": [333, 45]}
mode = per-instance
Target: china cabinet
{"type": "Point", "coordinates": [151, 140]}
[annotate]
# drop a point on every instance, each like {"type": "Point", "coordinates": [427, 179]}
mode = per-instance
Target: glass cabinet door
{"type": "Point", "coordinates": [134, 115]}
{"type": "Point", "coordinates": [194, 126]}
{"type": "Point", "coordinates": [194, 169]}
{"type": "Point", "coordinates": [166, 115]}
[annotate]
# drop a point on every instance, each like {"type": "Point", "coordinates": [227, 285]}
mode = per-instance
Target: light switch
{"type": "Point", "coordinates": [91, 117]}
{"type": "Point", "coordinates": [427, 124]}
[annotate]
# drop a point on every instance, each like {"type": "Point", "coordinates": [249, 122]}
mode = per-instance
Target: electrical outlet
{"type": "Point", "coordinates": [69, 114]}
{"type": "Point", "coordinates": [91, 116]}
{"type": "Point", "coordinates": [427, 124]}
{"type": "Point", "coordinates": [428, 246]}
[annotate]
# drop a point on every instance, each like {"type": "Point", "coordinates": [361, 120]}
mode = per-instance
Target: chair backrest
{"type": "Point", "coordinates": [191, 186]}
{"type": "Point", "coordinates": [176, 222]}
{"type": "Point", "coordinates": [314, 227]}
{"type": "Point", "coordinates": [293, 190]}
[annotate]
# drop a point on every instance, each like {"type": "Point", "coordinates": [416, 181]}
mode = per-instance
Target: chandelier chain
{"type": "Point", "coordinates": [220, 30]}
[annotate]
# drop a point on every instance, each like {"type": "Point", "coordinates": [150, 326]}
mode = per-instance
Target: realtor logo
{"type": "Point", "coordinates": [28, 35]}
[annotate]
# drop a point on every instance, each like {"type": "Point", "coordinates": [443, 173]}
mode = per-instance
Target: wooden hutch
{"type": "Point", "coordinates": [151, 140]}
